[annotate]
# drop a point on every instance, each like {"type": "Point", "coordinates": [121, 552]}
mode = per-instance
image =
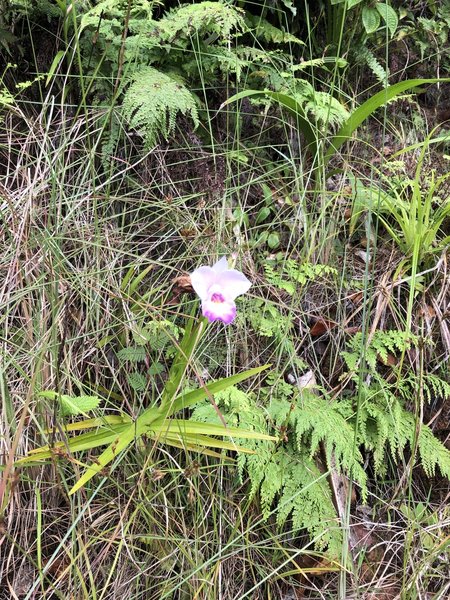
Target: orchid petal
{"type": "Point", "coordinates": [202, 279]}
{"type": "Point", "coordinates": [221, 265]}
{"type": "Point", "coordinates": [219, 311]}
{"type": "Point", "coordinates": [233, 283]}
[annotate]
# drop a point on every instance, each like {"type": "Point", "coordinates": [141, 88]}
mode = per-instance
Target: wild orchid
{"type": "Point", "coordinates": [218, 287]}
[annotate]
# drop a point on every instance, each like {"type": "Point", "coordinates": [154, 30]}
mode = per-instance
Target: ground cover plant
{"type": "Point", "coordinates": [224, 300]}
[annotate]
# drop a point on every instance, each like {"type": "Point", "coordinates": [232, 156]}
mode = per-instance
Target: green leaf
{"type": "Point", "coordinates": [262, 215]}
{"type": "Point", "coordinates": [368, 108]}
{"type": "Point", "coordinates": [388, 15]}
{"type": "Point", "coordinates": [371, 19]}
{"type": "Point", "coordinates": [137, 381]}
{"type": "Point", "coordinates": [55, 63]}
{"type": "Point", "coordinates": [85, 441]}
{"type": "Point", "coordinates": [97, 422]}
{"type": "Point", "coordinates": [273, 241]}
{"type": "Point", "coordinates": [291, 105]}
{"type": "Point", "coordinates": [192, 335]}
{"type": "Point", "coordinates": [191, 398]}
{"type": "Point", "coordinates": [352, 3]}
{"type": "Point", "coordinates": [188, 440]}
{"type": "Point", "coordinates": [72, 405]}
{"type": "Point", "coordinates": [186, 426]}
{"type": "Point", "coordinates": [143, 423]}
{"type": "Point", "coordinates": [120, 442]}
{"type": "Point", "coordinates": [133, 354]}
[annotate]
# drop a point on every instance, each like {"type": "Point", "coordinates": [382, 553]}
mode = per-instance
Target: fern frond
{"type": "Point", "coordinates": [316, 418]}
{"type": "Point", "coordinates": [153, 101]}
{"type": "Point", "coordinates": [137, 381]}
{"type": "Point", "coordinates": [382, 342]}
{"type": "Point", "coordinates": [371, 61]}
{"type": "Point", "coordinates": [435, 387]}
{"type": "Point", "coordinates": [292, 273]}
{"type": "Point", "coordinates": [433, 453]}
{"type": "Point", "coordinates": [132, 354]}
{"type": "Point", "coordinates": [308, 497]}
{"type": "Point", "coordinates": [205, 18]}
{"type": "Point", "coordinates": [263, 30]}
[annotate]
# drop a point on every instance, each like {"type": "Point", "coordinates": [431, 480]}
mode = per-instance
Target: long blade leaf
{"type": "Point", "coordinates": [368, 108]}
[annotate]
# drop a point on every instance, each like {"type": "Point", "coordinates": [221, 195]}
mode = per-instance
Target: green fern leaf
{"type": "Point", "coordinates": [132, 354]}
{"type": "Point", "coordinates": [72, 405]}
{"type": "Point", "coordinates": [137, 381]}
{"type": "Point", "coordinates": [153, 102]}
{"type": "Point", "coordinates": [263, 30]}
{"type": "Point", "coordinates": [204, 18]}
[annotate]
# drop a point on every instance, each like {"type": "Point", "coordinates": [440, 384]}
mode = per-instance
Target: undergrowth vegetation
{"type": "Point", "coordinates": [150, 452]}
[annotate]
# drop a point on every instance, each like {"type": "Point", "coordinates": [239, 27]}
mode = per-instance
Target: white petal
{"type": "Point", "coordinates": [233, 283]}
{"type": "Point", "coordinates": [221, 265]}
{"type": "Point", "coordinates": [202, 279]}
{"type": "Point", "coordinates": [219, 311]}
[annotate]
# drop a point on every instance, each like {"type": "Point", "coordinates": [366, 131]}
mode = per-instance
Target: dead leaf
{"type": "Point", "coordinates": [352, 330]}
{"type": "Point", "coordinates": [348, 214]}
{"type": "Point", "coordinates": [183, 282]}
{"type": "Point", "coordinates": [181, 285]}
{"type": "Point", "coordinates": [321, 326]}
{"type": "Point", "coordinates": [356, 297]}
{"type": "Point", "coordinates": [364, 256]}
{"type": "Point", "coordinates": [427, 312]}
{"type": "Point", "coordinates": [390, 360]}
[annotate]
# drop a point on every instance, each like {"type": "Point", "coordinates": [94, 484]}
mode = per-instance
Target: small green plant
{"type": "Point", "coordinates": [381, 344]}
{"type": "Point", "coordinates": [319, 146]}
{"type": "Point", "coordinates": [317, 435]}
{"type": "Point", "coordinates": [155, 67]}
{"type": "Point", "coordinates": [412, 212]}
{"type": "Point", "coordinates": [156, 422]}
{"type": "Point", "coordinates": [288, 475]}
{"type": "Point", "coordinates": [291, 274]}
{"type": "Point", "coordinates": [72, 406]}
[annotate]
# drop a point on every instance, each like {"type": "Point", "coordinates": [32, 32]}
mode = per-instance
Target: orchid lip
{"type": "Point", "coordinates": [216, 297]}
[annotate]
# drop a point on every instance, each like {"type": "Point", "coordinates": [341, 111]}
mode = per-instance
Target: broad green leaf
{"type": "Point", "coordinates": [289, 103]}
{"type": "Point", "coordinates": [368, 108]}
{"type": "Point", "coordinates": [371, 19]}
{"type": "Point", "coordinates": [98, 422]}
{"type": "Point", "coordinates": [388, 15]}
{"type": "Point", "coordinates": [352, 3]}
{"type": "Point", "coordinates": [85, 441]}
{"type": "Point", "coordinates": [137, 280]}
{"type": "Point", "coordinates": [192, 335]}
{"type": "Point", "coordinates": [262, 215]}
{"type": "Point", "coordinates": [273, 241]}
{"type": "Point", "coordinates": [200, 441]}
{"type": "Point", "coordinates": [200, 449]}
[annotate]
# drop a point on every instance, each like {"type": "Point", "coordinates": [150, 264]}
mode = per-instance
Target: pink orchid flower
{"type": "Point", "coordinates": [217, 287]}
